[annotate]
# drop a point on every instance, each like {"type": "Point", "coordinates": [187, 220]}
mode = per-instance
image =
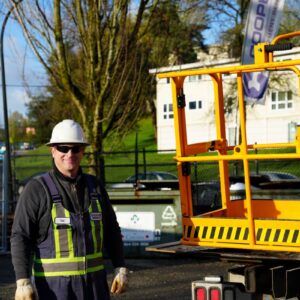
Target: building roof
{"type": "Point", "coordinates": [210, 63]}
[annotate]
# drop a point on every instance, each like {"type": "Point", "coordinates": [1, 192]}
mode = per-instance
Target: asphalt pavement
{"type": "Point", "coordinates": [164, 277]}
{"type": "Point", "coordinates": [160, 278]}
{"type": "Point", "coordinates": [167, 277]}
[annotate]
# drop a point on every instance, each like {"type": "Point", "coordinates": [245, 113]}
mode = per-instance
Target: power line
{"type": "Point", "coordinates": [24, 86]}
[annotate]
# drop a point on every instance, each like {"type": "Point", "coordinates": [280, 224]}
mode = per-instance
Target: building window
{"type": "Point", "coordinates": [168, 111]}
{"type": "Point", "coordinates": [192, 105]}
{"type": "Point", "coordinates": [163, 81]}
{"type": "Point", "coordinates": [195, 104]}
{"type": "Point", "coordinates": [282, 100]}
{"type": "Point", "coordinates": [194, 78]}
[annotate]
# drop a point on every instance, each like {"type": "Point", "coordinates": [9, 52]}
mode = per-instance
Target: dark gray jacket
{"type": "Point", "coordinates": [33, 215]}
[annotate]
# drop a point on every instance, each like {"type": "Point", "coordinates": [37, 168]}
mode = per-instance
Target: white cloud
{"type": "Point", "coordinates": [16, 100]}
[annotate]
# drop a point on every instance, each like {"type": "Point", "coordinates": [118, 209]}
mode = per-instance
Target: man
{"type": "Point", "coordinates": [62, 222]}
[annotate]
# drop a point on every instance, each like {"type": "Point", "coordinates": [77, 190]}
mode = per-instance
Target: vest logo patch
{"type": "Point", "coordinates": [62, 221]}
{"type": "Point", "coordinates": [96, 216]}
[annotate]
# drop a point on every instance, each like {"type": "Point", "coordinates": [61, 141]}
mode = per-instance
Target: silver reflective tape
{"type": "Point", "coordinates": [96, 216]}
{"type": "Point", "coordinates": [62, 221]}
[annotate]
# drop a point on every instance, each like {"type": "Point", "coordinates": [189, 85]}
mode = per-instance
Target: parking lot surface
{"type": "Point", "coordinates": [162, 278]}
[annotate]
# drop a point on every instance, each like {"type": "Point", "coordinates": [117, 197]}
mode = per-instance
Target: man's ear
{"type": "Point", "coordinates": [52, 151]}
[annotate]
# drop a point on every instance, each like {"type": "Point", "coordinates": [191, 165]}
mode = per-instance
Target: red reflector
{"type": "Point", "coordinates": [200, 293]}
{"type": "Point", "coordinates": [215, 294]}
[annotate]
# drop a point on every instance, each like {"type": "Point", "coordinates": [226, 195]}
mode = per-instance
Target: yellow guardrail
{"type": "Point", "coordinates": [246, 223]}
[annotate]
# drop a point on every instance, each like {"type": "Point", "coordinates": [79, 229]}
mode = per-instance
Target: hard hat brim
{"type": "Point", "coordinates": [50, 144]}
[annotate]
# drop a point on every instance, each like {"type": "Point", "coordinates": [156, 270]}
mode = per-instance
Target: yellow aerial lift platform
{"type": "Point", "coordinates": [244, 224]}
{"type": "Point", "coordinates": [248, 224]}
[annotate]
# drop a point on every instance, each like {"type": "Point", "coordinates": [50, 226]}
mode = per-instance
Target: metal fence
{"type": "Point", "coordinates": [118, 166]}
{"type": "Point", "coordinates": [276, 169]}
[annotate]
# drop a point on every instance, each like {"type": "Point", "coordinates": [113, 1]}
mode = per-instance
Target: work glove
{"type": "Point", "coordinates": [120, 281]}
{"type": "Point", "coordinates": [24, 290]}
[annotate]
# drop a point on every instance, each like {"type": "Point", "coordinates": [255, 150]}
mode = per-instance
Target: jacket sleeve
{"type": "Point", "coordinates": [112, 237]}
{"type": "Point", "coordinates": [29, 226]}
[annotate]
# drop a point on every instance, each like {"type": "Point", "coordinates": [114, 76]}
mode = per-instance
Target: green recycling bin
{"type": "Point", "coordinates": [146, 218]}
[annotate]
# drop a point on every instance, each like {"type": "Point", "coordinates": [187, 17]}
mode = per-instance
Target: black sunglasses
{"type": "Point", "coordinates": [66, 149]}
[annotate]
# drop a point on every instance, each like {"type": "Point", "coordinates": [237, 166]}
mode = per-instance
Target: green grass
{"type": "Point", "coordinates": [144, 134]}
{"type": "Point", "coordinates": [34, 161]}
{"type": "Point", "coordinates": [117, 169]}
{"type": "Point", "coordinates": [119, 166]}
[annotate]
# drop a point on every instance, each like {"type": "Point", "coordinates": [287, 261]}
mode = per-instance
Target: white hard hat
{"type": "Point", "coordinates": [67, 132]}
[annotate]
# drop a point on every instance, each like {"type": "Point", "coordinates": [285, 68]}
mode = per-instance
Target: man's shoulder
{"type": "Point", "coordinates": [89, 176]}
{"type": "Point", "coordinates": [32, 184]}
{"type": "Point", "coordinates": [42, 177]}
{"type": "Point", "coordinates": [93, 178]}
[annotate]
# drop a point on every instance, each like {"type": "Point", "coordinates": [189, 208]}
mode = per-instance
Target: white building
{"type": "Point", "coordinates": [274, 121]}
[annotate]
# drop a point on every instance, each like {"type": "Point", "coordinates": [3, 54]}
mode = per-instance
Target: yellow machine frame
{"type": "Point", "coordinates": [245, 224]}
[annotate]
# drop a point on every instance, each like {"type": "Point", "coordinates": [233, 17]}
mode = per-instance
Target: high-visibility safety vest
{"type": "Point", "coordinates": [65, 229]}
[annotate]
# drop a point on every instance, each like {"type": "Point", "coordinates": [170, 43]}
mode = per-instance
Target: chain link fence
{"type": "Point", "coordinates": [269, 179]}
{"type": "Point", "coordinates": [119, 166]}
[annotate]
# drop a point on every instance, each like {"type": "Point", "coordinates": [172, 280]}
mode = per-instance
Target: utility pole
{"type": "Point", "coordinates": [8, 192]}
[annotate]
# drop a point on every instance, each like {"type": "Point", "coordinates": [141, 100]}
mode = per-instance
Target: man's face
{"type": "Point", "coordinates": [67, 158]}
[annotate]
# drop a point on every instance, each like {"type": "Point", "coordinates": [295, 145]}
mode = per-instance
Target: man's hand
{"type": "Point", "coordinates": [120, 281]}
{"type": "Point", "coordinates": [24, 290]}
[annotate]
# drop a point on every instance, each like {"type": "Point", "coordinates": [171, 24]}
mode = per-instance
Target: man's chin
{"type": "Point", "coordinates": [71, 168]}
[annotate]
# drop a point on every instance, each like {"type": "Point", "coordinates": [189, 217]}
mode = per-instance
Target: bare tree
{"type": "Point", "coordinates": [17, 125]}
{"type": "Point", "coordinates": [94, 53]}
{"type": "Point", "coordinates": [91, 50]}
{"type": "Point", "coordinates": [227, 20]}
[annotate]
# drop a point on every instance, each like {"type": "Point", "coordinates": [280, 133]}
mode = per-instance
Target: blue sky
{"type": "Point", "coordinates": [20, 63]}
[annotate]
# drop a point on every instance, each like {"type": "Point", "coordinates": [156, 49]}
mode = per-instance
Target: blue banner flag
{"type": "Point", "coordinates": [262, 26]}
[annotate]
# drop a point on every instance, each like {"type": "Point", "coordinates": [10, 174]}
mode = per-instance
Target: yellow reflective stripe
{"type": "Point", "coordinates": [101, 225]}
{"type": "Point", "coordinates": [93, 226]}
{"type": "Point", "coordinates": [55, 231]}
{"type": "Point", "coordinates": [83, 265]}
{"type": "Point", "coordinates": [95, 269]}
{"type": "Point", "coordinates": [97, 228]}
{"type": "Point", "coordinates": [65, 262]}
{"type": "Point", "coordinates": [69, 236]}
{"type": "Point", "coordinates": [69, 259]}
{"type": "Point", "coordinates": [69, 273]}
{"type": "Point", "coordinates": [94, 255]}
